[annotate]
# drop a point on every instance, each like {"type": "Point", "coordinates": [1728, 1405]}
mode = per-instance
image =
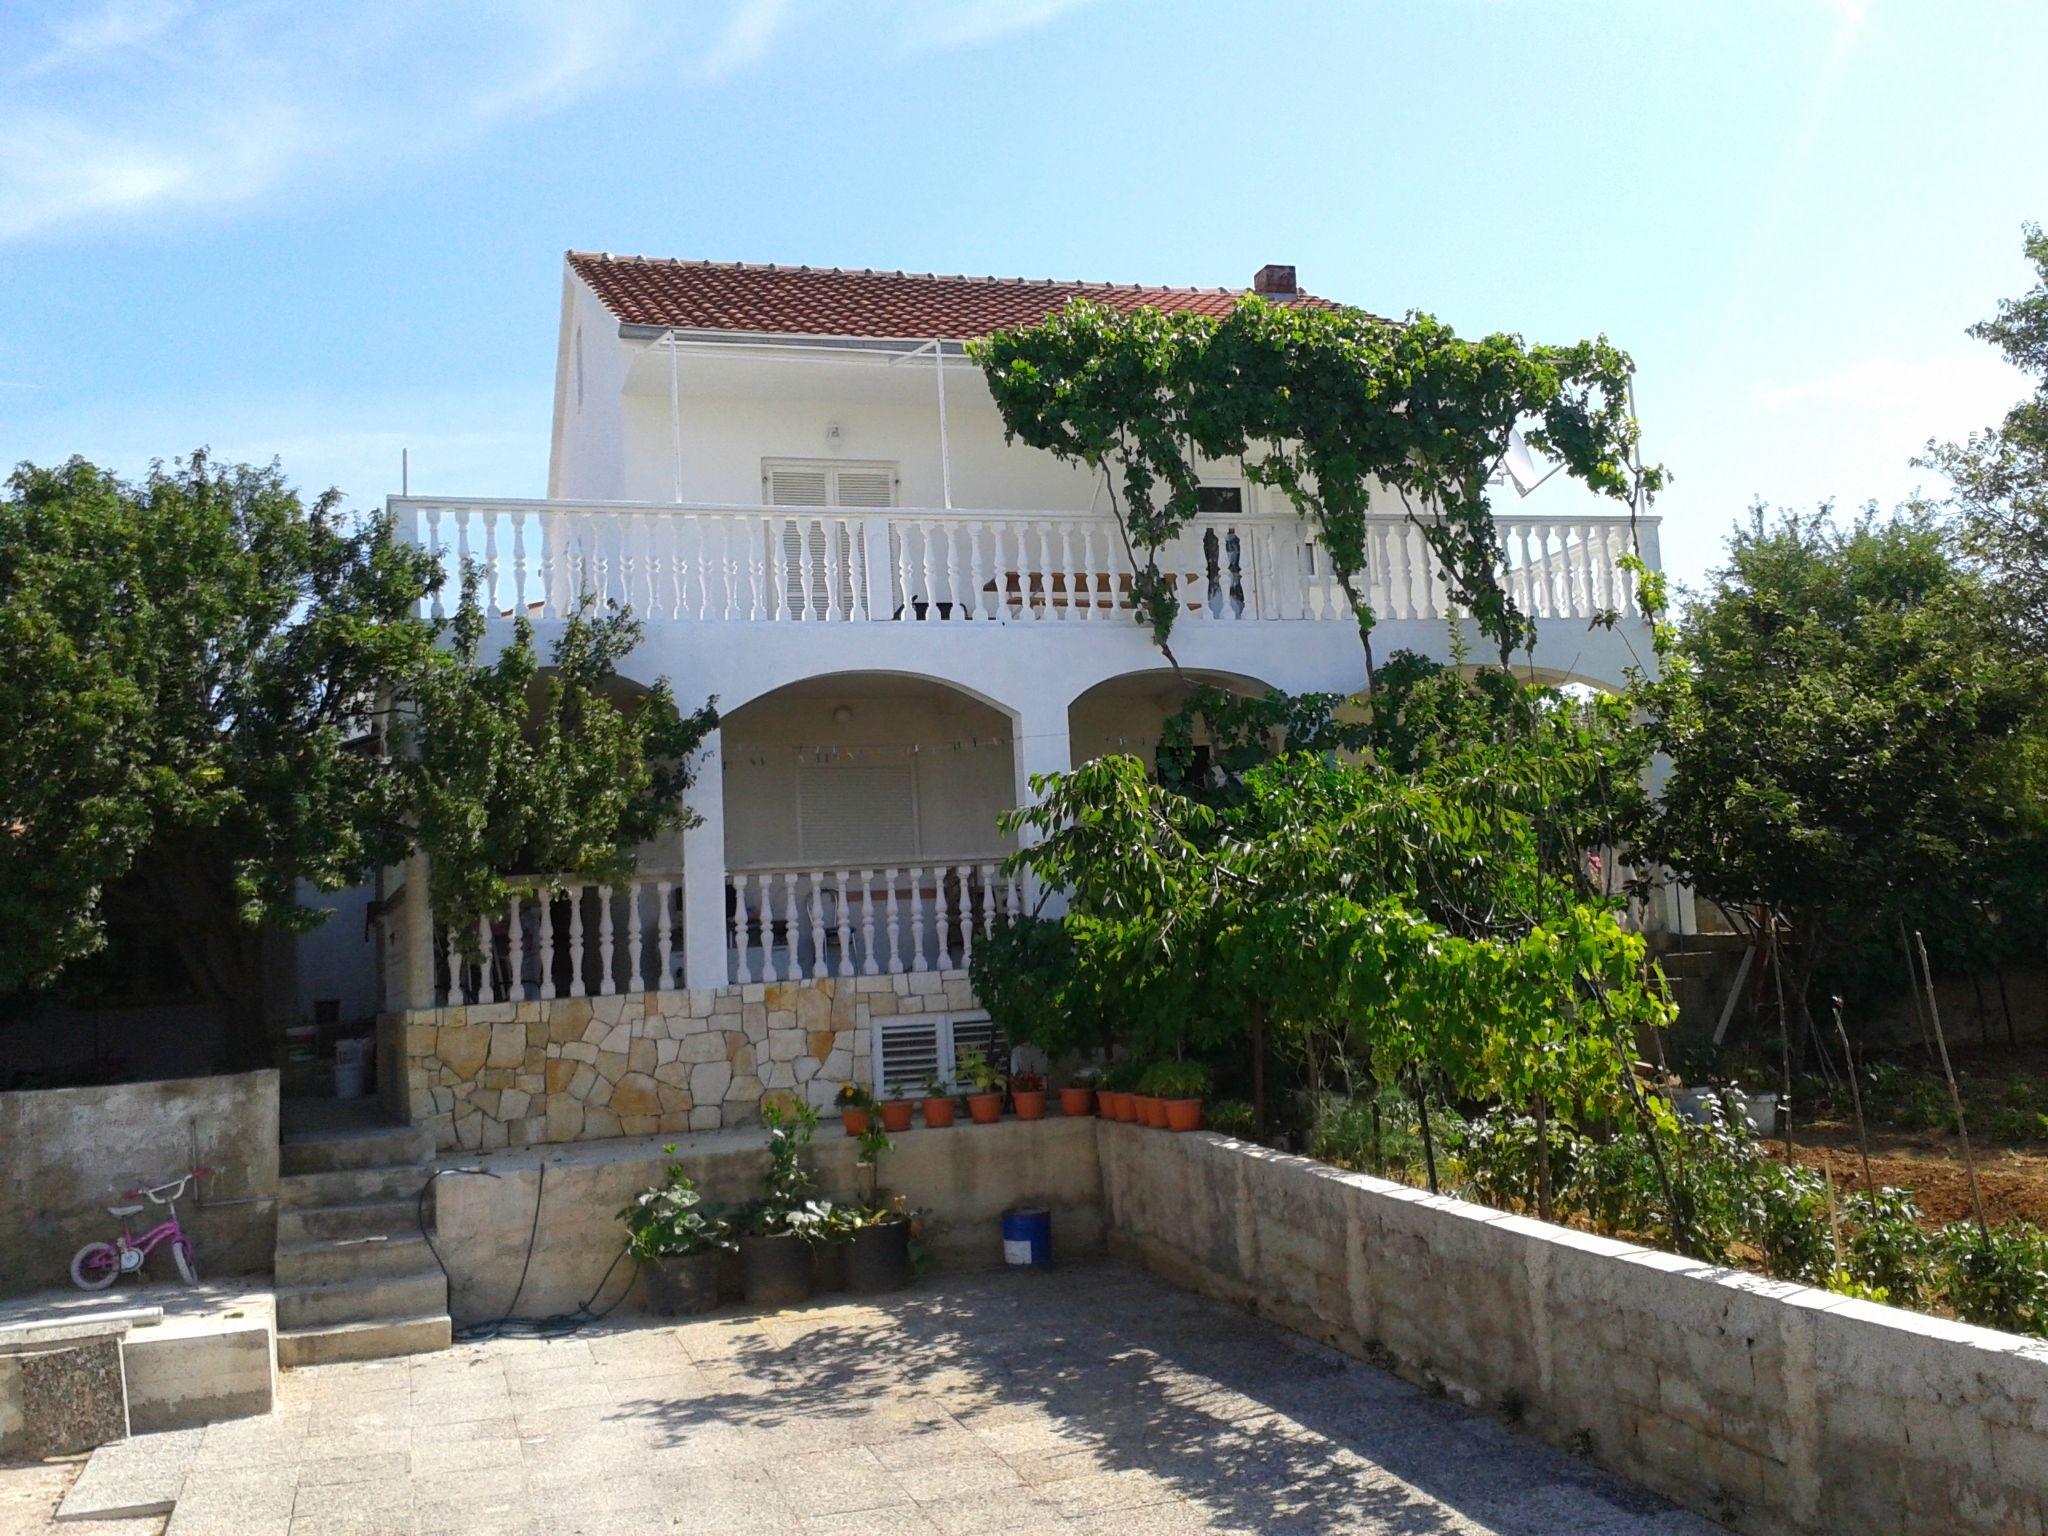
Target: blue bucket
{"type": "Point", "coordinates": [1027, 1237]}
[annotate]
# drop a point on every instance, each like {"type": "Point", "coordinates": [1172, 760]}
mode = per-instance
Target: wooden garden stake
{"type": "Point", "coordinates": [1955, 1096]}
{"type": "Point", "coordinates": [1784, 1042]}
{"type": "Point", "coordinates": [1855, 1098]}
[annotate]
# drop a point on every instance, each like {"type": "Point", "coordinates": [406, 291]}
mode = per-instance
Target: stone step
{"type": "Point", "coordinates": [423, 1293]}
{"type": "Point", "coordinates": [360, 1218]}
{"type": "Point", "coordinates": [369, 1146]}
{"type": "Point", "coordinates": [350, 1186]}
{"type": "Point", "coordinates": [381, 1339]}
{"type": "Point", "coordinates": [331, 1260]}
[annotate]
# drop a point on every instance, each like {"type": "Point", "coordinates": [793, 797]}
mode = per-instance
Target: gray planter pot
{"type": "Point", "coordinates": [684, 1286]}
{"type": "Point", "coordinates": [777, 1269]}
{"type": "Point", "coordinates": [879, 1259]}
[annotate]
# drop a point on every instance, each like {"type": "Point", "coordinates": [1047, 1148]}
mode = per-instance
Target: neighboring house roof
{"type": "Point", "coordinates": [831, 301]}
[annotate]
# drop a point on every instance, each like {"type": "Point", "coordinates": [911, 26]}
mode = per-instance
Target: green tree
{"type": "Point", "coordinates": [216, 691]}
{"type": "Point", "coordinates": [2001, 475]}
{"type": "Point", "coordinates": [1842, 716]}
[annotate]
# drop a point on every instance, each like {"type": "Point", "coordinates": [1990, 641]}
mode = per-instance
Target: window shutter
{"type": "Point", "coordinates": [791, 485]}
{"type": "Point", "coordinates": [906, 1052]}
{"type": "Point", "coordinates": [979, 1033]}
{"type": "Point", "coordinates": [864, 488]}
{"type": "Point", "coordinates": [850, 812]}
{"type": "Point", "coordinates": [804, 543]}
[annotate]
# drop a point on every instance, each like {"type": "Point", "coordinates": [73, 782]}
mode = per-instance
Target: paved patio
{"type": "Point", "coordinates": [1091, 1399]}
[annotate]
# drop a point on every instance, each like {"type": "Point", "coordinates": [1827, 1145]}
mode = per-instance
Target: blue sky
{"type": "Point", "coordinates": [325, 232]}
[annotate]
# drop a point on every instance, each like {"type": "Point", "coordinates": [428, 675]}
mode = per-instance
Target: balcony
{"type": "Point", "coordinates": [686, 562]}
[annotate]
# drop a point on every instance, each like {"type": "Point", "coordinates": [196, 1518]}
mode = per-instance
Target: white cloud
{"type": "Point", "coordinates": [140, 107]}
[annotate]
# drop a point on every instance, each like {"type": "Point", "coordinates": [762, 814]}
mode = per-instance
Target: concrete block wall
{"type": "Point", "coordinates": [963, 1178]}
{"type": "Point", "coordinates": [1772, 1407]}
{"type": "Point", "coordinates": [590, 1068]}
{"type": "Point", "coordinates": [69, 1153]}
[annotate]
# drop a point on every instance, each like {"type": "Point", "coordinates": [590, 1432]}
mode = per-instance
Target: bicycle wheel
{"type": "Point", "coordinates": [181, 1255]}
{"type": "Point", "coordinates": [95, 1266]}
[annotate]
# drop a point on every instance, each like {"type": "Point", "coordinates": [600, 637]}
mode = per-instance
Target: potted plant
{"type": "Point", "coordinates": [896, 1110]}
{"type": "Point", "coordinates": [985, 1103]}
{"type": "Point", "coordinates": [778, 1226]}
{"type": "Point", "coordinates": [680, 1243]}
{"type": "Point", "coordinates": [1113, 1091]}
{"type": "Point", "coordinates": [938, 1101]}
{"type": "Point", "coordinates": [1177, 1087]}
{"type": "Point", "coordinates": [1078, 1096]}
{"type": "Point", "coordinates": [1146, 1106]}
{"type": "Point", "coordinates": [879, 1258]}
{"type": "Point", "coordinates": [855, 1104]}
{"type": "Point", "coordinates": [1027, 1095]}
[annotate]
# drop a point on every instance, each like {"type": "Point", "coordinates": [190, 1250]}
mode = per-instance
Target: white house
{"type": "Point", "coordinates": [800, 483]}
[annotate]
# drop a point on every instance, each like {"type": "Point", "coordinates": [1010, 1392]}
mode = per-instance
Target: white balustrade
{"type": "Point", "coordinates": [814, 565]}
{"type": "Point", "coordinates": [789, 924]}
{"type": "Point", "coordinates": [575, 939]}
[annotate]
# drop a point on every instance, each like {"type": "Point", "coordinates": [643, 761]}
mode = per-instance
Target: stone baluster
{"type": "Point", "coordinates": [816, 900]}
{"type": "Point", "coordinates": [487, 969]}
{"type": "Point", "coordinates": [607, 936]}
{"type": "Point", "coordinates": [636, 977]}
{"type": "Point", "coordinates": [453, 954]}
{"type": "Point", "coordinates": [892, 926]}
{"type": "Point", "coordinates": [578, 982]}
{"type": "Point", "coordinates": [916, 920]}
{"type": "Point", "coordinates": [835, 568]}
{"type": "Point", "coordinates": [939, 914]}
{"type": "Point", "coordinates": [843, 928]}
{"type": "Point", "coordinates": [792, 930]}
{"type": "Point", "coordinates": [664, 939]}
{"type": "Point", "coordinates": [545, 933]}
{"type": "Point", "coordinates": [867, 923]}
{"type": "Point", "coordinates": [743, 964]}
{"type": "Point", "coordinates": [988, 901]}
{"type": "Point", "coordinates": [964, 874]}
{"type": "Point", "coordinates": [515, 948]}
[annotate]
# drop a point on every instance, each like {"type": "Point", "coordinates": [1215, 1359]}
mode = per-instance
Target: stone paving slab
{"type": "Point", "coordinates": [1090, 1400]}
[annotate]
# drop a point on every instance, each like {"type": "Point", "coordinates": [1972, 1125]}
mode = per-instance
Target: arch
{"type": "Point", "coordinates": [856, 678]}
{"type": "Point", "coordinates": [1125, 711]}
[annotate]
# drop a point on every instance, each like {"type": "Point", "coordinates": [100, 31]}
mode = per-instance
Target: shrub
{"type": "Point", "coordinates": [669, 1220]}
{"type": "Point", "coordinates": [1233, 1117]}
{"type": "Point", "coordinates": [1175, 1080]}
{"type": "Point", "coordinates": [1789, 1222]}
{"type": "Point", "coordinates": [1886, 1246]}
{"type": "Point", "coordinates": [1997, 1279]}
{"type": "Point", "coordinates": [1498, 1150]}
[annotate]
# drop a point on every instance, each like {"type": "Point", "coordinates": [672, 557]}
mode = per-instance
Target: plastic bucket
{"type": "Point", "coordinates": [1027, 1237]}
{"type": "Point", "coordinates": [351, 1067]}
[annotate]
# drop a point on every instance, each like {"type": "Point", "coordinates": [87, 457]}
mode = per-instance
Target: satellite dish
{"type": "Point", "coordinates": [1521, 466]}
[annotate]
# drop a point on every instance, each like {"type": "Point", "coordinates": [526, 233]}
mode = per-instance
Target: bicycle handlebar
{"type": "Point", "coordinates": [176, 1187]}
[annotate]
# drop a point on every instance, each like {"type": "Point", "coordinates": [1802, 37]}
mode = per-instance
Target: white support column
{"type": "Point", "coordinates": [1040, 746]}
{"type": "Point", "coordinates": [704, 950]}
{"type": "Point", "coordinates": [675, 412]}
{"type": "Point", "coordinates": [417, 952]}
{"type": "Point", "coordinates": [945, 440]}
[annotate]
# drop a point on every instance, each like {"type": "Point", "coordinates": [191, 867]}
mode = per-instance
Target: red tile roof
{"type": "Point", "coordinates": [830, 301]}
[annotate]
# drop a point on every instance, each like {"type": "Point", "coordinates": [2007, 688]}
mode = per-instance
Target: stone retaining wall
{"type": "Point", "coordinates": [653, 1063]}
{"type": "Point", "coordinates": [1771, 1407]}
{"type": "Point", "coordinates": [963, 1178]}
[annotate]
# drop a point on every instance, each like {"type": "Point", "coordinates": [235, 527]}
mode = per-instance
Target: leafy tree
{"type": "Point", "coordinates": [1333, 408]}
{"type": "Point", "coordinates": [1842, 718]}
{"type": "Point", "coordinates": [2001, 475]}
{"type": "Point", "coordinates": [216, 692]}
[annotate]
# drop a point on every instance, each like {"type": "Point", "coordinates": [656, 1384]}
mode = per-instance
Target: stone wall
{"type": "Point", "coordinates": [653, 1063]}
{"type": "Point", "coordinates": [69, 1153]}
{"type": "Point", "coordinates": [1771, 1407]}
{"type": "Point", "coordinates": [963, 1178]}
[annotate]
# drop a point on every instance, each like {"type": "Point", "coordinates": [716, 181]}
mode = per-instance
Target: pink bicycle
{"type": "Point", "coordinates": [98, 1265]}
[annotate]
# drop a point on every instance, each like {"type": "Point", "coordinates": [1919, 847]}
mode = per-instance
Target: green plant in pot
{"type": "Point", "coordinates": [680, 1243]}
{"type": "Point", "coordinates": [879, 1259]}
{"type": "Point", "coordinates": [1113, 1086]}
{"type": "Point", "coordinates": [938, 1100]}
{"type": "Point", "coordinates": [1178, 1087]}
{"type": "Point", "coordinates": [1027, 1095]}
{"type": "Point", "coordinates": [855, 1104]}
{"type": "Point", "coordinates": [896, 1109]}
{"type": "Point", "coordinates": [985, 1102]}
{"type": "Point", "coordinates": [779, 1226]}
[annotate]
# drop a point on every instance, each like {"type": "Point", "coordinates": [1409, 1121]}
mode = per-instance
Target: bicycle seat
{"type": "Point", "coordinates": [123, 1210]}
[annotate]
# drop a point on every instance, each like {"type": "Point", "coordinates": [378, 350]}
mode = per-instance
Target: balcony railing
{"type": "Point", "coordinates": [578, 940]}
{"type": "Point", "coordinates": [832, 566]}
{"type": "Point", "coordinates": [786, 924]}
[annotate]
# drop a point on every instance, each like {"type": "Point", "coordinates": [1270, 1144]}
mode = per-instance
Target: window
{"type": "Point", "coordinates": [906, 1050]}
{"type": "Point", "coordinates": [1219, 501]}
{"type": "Point", "coordinates": [825, 553]}
{"type": "Point", "coordinates": [849, 813]}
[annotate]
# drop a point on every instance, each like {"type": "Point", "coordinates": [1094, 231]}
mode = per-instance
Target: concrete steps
{"type": "Point", "coordinates": [356, 1279]}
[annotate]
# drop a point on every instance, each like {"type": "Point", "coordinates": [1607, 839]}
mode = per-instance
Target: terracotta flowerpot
{"type": "Point", "coordinates": [777, 1268]}
{"type": "Point", "coordinates": [939, 1112]}
{"type": "Point", "coordinates": [986, 1108]}
{"type": "Point", "coordinates": [683, 1285]}
{"type": "Point", "coordinates": [855, 1120]}
{"type": "Point", "coordinates": [879, 1259]}
{"type": "Point", "coordinates": [1030, 1103]}
{"type": "Point", "coordinates": [1183, 1114]}
{"type": "Point", "coordinates": [1151, 1111]}
{"type": "Point", "coordinates": [1077, 1101]}
{"type": "Point", "coordinates": [896, 1114]}
{"type": "Point", "coordinates": [1114, 1103]}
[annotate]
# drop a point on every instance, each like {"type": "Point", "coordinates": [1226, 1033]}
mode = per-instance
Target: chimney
{"type": "Point", "coordinates": [1276, 281]}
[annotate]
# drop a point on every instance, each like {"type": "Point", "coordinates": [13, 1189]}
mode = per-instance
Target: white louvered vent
{"type": "Point", "coordinates": [907, 1050]}
{"type": "Point", "coordinates": [819, 558]}
{"type": "Point", "coordinates": [848, 812]}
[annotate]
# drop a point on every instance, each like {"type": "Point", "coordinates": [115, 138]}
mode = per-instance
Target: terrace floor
{"type": "Point", "coordinates": [1090, 1399]}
